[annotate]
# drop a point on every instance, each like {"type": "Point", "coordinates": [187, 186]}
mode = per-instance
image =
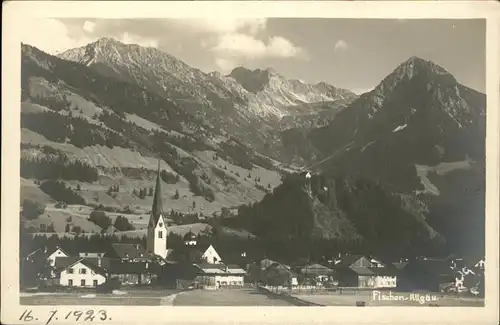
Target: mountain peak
{"type": "Point", "coordinates": [416, 64]}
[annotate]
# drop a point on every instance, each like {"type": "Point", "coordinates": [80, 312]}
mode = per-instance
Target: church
{"type": "Point", "coordinates": [157, 234]}
{"type": "Point", "coordinates": [192, 264]}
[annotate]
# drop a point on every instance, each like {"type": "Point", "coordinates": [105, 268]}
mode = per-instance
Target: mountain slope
{"type": "Point", "coordinates": [415, 131]}
{"type": "Point", "coordinates": [220, 101]}
{"type": "Point", "coordinates": [346, 210]}
{"type": "Point", "coordinates": [73, 117]}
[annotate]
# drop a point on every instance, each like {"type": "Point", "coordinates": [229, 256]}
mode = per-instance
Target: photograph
{"type": "Point", "coordinates": [251, 161]}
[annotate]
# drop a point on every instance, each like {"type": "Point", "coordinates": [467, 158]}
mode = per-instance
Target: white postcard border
{"type": "Point", "coordinates": [15, 13]}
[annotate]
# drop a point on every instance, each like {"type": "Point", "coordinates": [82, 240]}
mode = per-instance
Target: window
{"type": "Point", "coordinates": [70, 270]}
{"type": "Point", "coordinates": [160, 234]}
{"type": "Point", "coordinates": [82, 283]}
{"type": "Point", "coordinates": [160, 224]}
{"type": "Point", "coordinates": [95, 283]}
{"type": "Point", "coordinates": [83, 271]}
{"type": "Point", "coordinates": [70, 282]}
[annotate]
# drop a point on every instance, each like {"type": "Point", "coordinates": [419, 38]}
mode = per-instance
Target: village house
{"type": "Point", "coordinates": [129, 273]}
{"type": "Point", "coordinates": [279, 274]}
{"type": "Point", "coordinates": [214, 276]}
{"type": "Point", "coordinates": [76, 271]}
{"type": "Point", "coordinates": [361, 272]}
{"type": "Point", "coordinates": [316, 274]}
{"type": "Point", "coordinates": [131, 253]}
{"type": "Point", "coordinates": [49, 255]}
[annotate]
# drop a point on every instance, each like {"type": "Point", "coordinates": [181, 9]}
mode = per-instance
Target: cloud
{"type": "Point", "coordinates": [340, 45]}
{"type": "Point", "coordinates": [246, 46]}
{"type": "Point", "coordinates": [225, 65]}
{"type": "Point", "coordinates": [88, 26]}
{"type": "Point", "coordinates": [221, 25]}
{"type": "Point", "coordinates": [128, 38]}
{"type": "Point", "coordinates": [50, 35]}
{"type": "Point", "coordinates": [53, 36]}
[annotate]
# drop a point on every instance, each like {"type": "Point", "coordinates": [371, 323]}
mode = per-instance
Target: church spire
{"type": "Point", "coordinates": [157, 200]}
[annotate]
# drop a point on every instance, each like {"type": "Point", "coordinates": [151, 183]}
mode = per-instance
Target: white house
{"type": "Point", "coordinates": [211, 256]}
{"type": "Point", "coordinates": [78, 272]}
{"type": "Point", "coordinates": [214, 276]}
{"type": "Point", "coordinates": [49, 255]}
{"type": "Point", "coordinates": [55, 254]}
{"type": "Point", "coordinates": [157, 228]}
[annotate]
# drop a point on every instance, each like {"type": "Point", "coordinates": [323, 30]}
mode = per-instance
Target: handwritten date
{"type": "Point", "coordinates": [72, 315]}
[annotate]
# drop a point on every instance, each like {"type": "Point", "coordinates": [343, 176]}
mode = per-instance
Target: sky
{"type": "Point", "coordinates": [350, 53]}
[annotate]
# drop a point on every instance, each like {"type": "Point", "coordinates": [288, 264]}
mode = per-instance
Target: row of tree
{"type": "Point", "coordinates": [57, 168]}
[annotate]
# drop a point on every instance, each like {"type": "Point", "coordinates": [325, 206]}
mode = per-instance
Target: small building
{"type": "Point", "coordinates": [367, 277]}
{"type": "Point", "coordinates": [279, 274]}
{"type": "Point", "coordinates": [49, 254]}
{"type": "Point", "coordinates": [75, 271]}
{"type": "Point", "coordinates": [215, 276]}
{"type": "Point", "coordinates": [318, 273]}
{"type": "Point", "coordinates": [129, 273]}
{"type": "Point", "coordinates": [129, 253]}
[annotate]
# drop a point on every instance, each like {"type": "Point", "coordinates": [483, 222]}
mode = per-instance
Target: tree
{"type": "Point", "coordinates": [176, 195]}
{"type": "Point", "coordinates": [50, 228]}
{"type": "Point", "coordinates": [100, 218]}
{"type": "Point", "coordinates": [77, 230]}
{"type": "Point", "coordinates": [67, 228]}
{"type": "Point", "coordinates": [32, 209]}
{"type": "Point", "coordinates": [78, 187]}
{"type": "Point", "coordinates": [150, 193]}
{"type": "Point", "coordinates": [123, 224]}
{"type": "Point", "coordinates": [194, 205]}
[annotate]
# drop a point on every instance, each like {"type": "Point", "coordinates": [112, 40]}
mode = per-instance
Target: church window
{"type": "Point", "coordinates": [160, 224]}
{"type": "Point", "coordinates": [160, 234]}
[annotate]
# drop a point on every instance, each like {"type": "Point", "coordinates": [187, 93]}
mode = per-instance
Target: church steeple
{"type": "Point", "coordinates": [157, 200]}
{"type": "Point", "coordinates": [157, 229]}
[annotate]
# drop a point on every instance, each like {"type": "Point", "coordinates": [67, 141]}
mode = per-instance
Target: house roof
{"type": "Point", "coordinates": [221, 269]}
{"type": "Point", "coordinates": [130, 251]}
{"type": "Point", "coordinates": [265, 263]}
{"type": "Point", "coordinates": [116, 266]}
{"type": "Point", "coordinates": [63, 263]}
{"type": "Point", "coordinates": [316, 269]}
{"type": "Point", "coordinates": [281, 269]}
{"type": "Point", "coordinates": [360, 270]}
{"type": "Point", "coordinates": [348, 260]}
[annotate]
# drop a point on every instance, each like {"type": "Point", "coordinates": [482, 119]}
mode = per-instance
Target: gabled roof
{"type": "Point", "coordinates": [221, 269]}
{"type": "Point", "coordinates": [116, 266]}
{"type": "Point", "coordinates": [130, 251]}
{"type": "Point", "coordinates": [265, 263]}
{"type": "Point", "coordinates": [316, 269]}
{"type": "Point", "coordinates": [348, 260]}
{"type": "Point", "coordinates": [63, 263]}
{"type": "Point", "coordinates": [360, 270]}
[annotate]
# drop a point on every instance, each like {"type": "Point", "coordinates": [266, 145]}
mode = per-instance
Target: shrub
{"type": "Point", "coordinates": [32, 209]}
{"type": "Point", "coordinates": [100, 218]}
{"type": "Point", "coordinates": [59, 191]}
